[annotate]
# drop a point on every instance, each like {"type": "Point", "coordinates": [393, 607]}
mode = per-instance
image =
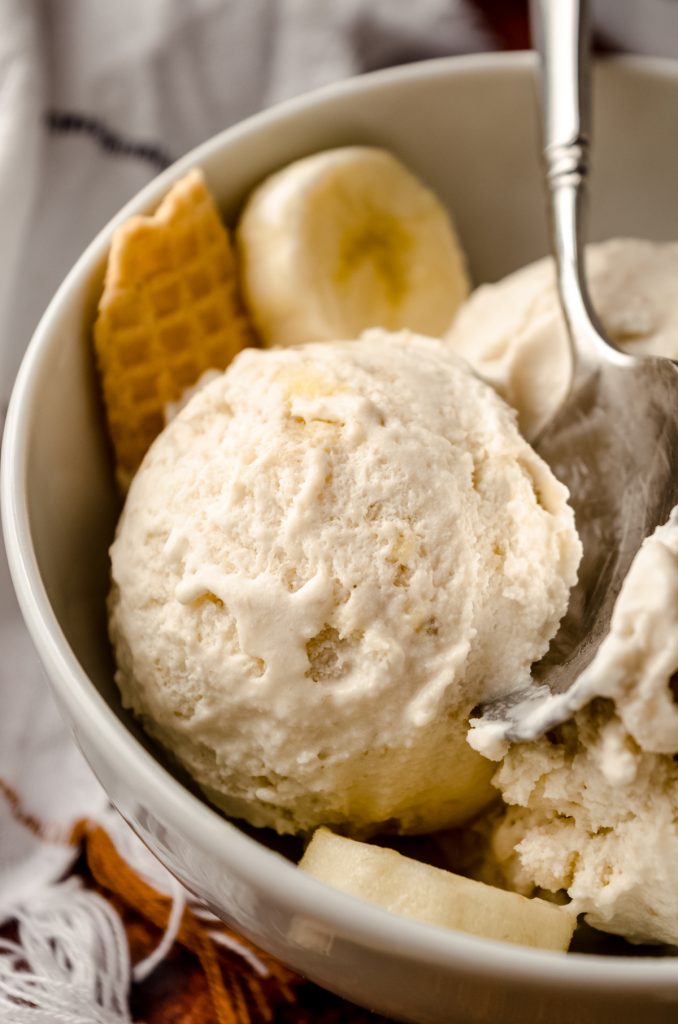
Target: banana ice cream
{"type": "Point", "coordinates": [514, 335]}
{"type": "Point", "coordinates": [593, 808]}
{"type": "Point", "coordinates": [327, 558]}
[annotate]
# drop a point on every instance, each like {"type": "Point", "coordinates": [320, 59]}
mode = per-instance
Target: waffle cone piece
{"type": "Point", "coordinates": [170, 310]}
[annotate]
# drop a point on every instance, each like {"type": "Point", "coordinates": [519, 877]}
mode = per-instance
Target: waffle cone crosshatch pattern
{"type": "Point", "coordinates": [170, 310]}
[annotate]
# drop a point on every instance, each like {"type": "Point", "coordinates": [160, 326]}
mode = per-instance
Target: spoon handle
{"type": "Point", "coordinates": [562, 37]}
{"type": "Point", "coordinates": [561, 34]}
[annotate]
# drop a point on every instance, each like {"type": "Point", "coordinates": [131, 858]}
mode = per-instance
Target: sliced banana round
{"type": "Point", "coordinates": [408, 887]}
{"type": "Point", "coordinates": [345, 240]}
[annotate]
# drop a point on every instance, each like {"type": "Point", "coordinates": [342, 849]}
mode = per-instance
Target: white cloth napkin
{"type": "Point", "coordinates": [95, 98]}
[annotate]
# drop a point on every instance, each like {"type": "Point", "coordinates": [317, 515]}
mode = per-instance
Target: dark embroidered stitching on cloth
{"type": "Point", "coordinates": [110, 141]}
{"type": "Point", "coordinates": [51, 833]}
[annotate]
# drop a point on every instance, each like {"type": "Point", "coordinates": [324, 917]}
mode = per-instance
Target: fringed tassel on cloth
{"type": "Point", "coordinates": [245, 984]}
{"type": "Point", "coordinates": [66, 959]}
{"type": "Point", "coordinates": [70, 963]}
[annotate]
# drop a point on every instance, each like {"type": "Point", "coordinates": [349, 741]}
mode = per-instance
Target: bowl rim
{"type": "Point", "coordinates": [267, 872]}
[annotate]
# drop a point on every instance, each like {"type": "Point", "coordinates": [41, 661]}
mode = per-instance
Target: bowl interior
{"type": "Point", "coordinates": [468, 128]}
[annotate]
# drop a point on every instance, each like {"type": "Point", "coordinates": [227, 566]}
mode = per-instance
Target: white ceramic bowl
{"type": "Point", "coordinates": [468, 127]}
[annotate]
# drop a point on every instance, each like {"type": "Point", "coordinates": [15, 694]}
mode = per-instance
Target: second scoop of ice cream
{"type": "Point", "coordinates": [329, 556]}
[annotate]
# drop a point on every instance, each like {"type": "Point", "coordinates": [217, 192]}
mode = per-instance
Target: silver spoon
{"type": "Point", "coordinates": [614, 440]}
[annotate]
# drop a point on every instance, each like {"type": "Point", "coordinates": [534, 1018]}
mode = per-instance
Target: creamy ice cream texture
{"type": "Point", "coordinates": [594, 810]}
{"type": "Point", "coordinates": [329, 556]}
{"type": "Point", "coordinates": [513, 332]}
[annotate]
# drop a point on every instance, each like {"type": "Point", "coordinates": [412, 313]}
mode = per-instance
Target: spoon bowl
{"type": "Point", "coordinates": [614, 443]}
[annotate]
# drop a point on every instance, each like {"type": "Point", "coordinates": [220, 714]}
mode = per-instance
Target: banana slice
{"type": "Point", "coordinates": [408, 887]}
{"type": "Point", "coordinates": [345, 240]}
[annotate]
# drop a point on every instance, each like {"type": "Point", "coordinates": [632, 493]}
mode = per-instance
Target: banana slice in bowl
{"type": "Point", "coordinates": [344, 240]}
{"type": "Point", "coordinates": [409, 887]}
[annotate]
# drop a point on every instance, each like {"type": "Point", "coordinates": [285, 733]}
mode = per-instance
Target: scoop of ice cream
{"type": "Point", "coordinates": [595, 813]}
{"type": "Point", "coordinates": [328, 557]}
{"type": "Point", "coordinates": [513, 332]}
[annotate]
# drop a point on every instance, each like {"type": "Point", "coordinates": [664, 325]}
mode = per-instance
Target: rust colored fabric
{"type": "Point", "coordinates": [200, 982]}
